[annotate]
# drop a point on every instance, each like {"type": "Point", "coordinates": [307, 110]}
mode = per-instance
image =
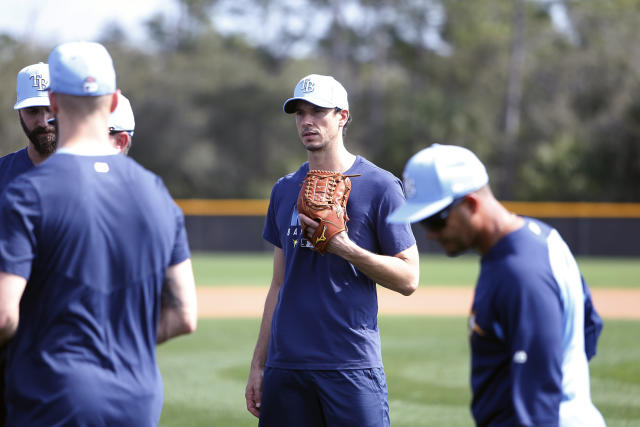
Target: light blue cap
{"type": "Point", "coordinates": [81, 69]}
{"type": "Point", "coordinates": [434, 177]}
{"type": "Point", "coordinates": [122, 117]}
{"type": "Point", "coordinates": [31, 87]}
{"type": "Point", "coordinates": [323, 91]}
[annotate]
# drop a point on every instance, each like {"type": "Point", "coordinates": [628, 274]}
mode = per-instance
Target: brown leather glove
{"type": "Point", "coordinates": [323, 197]}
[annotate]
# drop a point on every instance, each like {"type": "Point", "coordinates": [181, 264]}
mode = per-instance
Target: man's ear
{"type": "Point", "coordinates": [344, 117]}
{"type": "Point", "coordinates": [114, 100]}
{"type": "Point", "coordinates": [122, 140]}
{"type": "Point", "coordinates": [472, 201]}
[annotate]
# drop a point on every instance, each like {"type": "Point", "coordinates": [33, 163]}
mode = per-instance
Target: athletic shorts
{"type": "Point", "coordinates": [349, 398]}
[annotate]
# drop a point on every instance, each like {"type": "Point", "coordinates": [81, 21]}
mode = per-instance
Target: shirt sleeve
{"type": "Point", "coordinates": [592, 323]}
{"type": "Point", "coordinates": [532, 318]}
{"type": "Point", "coordinates": [270, 232]}
{"type": "Point", "coordinates": [181, 250]}
{"type": "Point", "coordinates": [20, 217]}
{"type": "Point", "coordinates": [393, 238]}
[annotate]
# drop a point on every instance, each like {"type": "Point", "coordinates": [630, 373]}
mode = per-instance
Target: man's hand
{"type": "Point", "coordinates": [323, 198]}
{"type": "Point", "coordinates": [253, 392]}
{"type": "Point", "coordinates": [399, 272]}
{"type": "Point", "coordinates": [336, 245]}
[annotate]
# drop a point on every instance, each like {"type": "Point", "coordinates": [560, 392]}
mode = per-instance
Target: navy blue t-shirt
{"type": "Point", "coordinates": [326, 315]}
{"type": "Point", "coordinates": [528, 360]}
{"type": "Point", "coordinates": [94, 236]}
{"type": "Point", "coordinates": [13, 165]}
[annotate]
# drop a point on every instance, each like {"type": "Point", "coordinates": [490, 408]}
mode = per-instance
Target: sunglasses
{"type": "Point", "coordinates": [438, 221]}
{"type": "Point", "coordinates": [113, 131]}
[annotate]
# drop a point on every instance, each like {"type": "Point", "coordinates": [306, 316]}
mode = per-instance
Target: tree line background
{"type": "Point", "coordinates": [554, 113]}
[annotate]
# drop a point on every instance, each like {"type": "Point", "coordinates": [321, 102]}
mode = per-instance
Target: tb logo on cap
{"type": "Point", "coordinates": [39, 81]}
{"type": "Point", "coordinates": [307, 86]}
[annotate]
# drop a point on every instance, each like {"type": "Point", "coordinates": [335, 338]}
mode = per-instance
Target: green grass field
{"type": "Point", "coordinates": [426, 362]}
{"type": "Point", "coordinates": [435, 270]}
{"type": "Point", "coordinates": [426, 358]}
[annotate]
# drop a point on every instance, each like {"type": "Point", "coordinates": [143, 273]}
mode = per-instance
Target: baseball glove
{"type": "Point", "coordinates": [323, 197]}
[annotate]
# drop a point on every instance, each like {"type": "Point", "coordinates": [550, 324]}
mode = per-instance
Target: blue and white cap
{"type": "Point", "coordinates": [31, 87]}
{"type": "Point", "coordinates": [81, 69]}
{"type": "Point", "coordinates": [122, 117]}
{"type": "Point", "coordinates": [323, 91]}
{"type": "Point", "coordinates": [434, 177]}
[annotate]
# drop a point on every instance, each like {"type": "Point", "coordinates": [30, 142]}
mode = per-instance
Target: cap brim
{"type": "Point", "coordinates": [40, 101]}
{"type": "Point", "coordinates": [289, 106]}
{"type": "Point", "coordinates": [414, 212]}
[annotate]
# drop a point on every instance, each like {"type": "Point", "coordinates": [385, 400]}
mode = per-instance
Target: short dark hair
{"type": "Point", "coordinates": [344, 128]}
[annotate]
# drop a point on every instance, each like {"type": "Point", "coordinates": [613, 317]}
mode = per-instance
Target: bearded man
{"type": "Point", "coordinates": [33, 110]}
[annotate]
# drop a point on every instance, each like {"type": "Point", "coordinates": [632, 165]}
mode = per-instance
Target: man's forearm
{"type": "Point", "coordinates": [178, 312]}
{"type": "Point", "coordinates": [11, 290]}
{"type": "Point", "coordinates": [398, 273]}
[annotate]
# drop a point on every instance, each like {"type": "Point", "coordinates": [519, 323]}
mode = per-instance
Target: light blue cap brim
{"type": "Point", "coordinates": [36, 101]}
{"type": "Point", "coordinates": [414, 212]}
{"type": "Point", "coordinates": [289, 105]}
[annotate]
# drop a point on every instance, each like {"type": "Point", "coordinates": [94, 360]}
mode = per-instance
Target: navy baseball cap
{"type": "Point", "coordinates": [81, 69]}
{"type": "Point", "coordinates": [323, 91]}
{"type": "Point", "coordinates": [435, 177]}
{"type": "Point", "coordinates": [31, 87]}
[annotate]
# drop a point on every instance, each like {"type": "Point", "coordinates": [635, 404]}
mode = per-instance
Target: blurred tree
{"type": "Point", "coordinates": [513, 97]}
{"type": "Point", "coordinates": [207, 89]}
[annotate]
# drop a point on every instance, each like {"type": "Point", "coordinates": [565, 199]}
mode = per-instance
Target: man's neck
{"type": "Point", "coordinates": [89, 134]}
{"type": "Point", "coordinates": [500, 223]}
{"type": "Point", "coordinates": [87, 146]}
{"type": "Point", "coordinates": [35, 157]}
{"type": "Point", "coordinates": [339, 160]}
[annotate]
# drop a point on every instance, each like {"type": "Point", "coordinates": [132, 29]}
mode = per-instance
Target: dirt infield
{"type": "Point", "coordinates": [237, 301]}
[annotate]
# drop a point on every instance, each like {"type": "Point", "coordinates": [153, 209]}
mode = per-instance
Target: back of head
{"type": "Point", "coordinates": [436, 176]}
{"type": "Point", "coordinates": [81, 74]}
{"type": "Point", "coordinates": [81, 69]}
{"type": "Point", "coordinates": [32, 87]}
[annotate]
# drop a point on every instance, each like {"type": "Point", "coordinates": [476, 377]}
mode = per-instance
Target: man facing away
{"type": "Point", "coordinates": [317, 361]}
{"type": "Point", "coordinates": [94, 266]}
{"type": "Point", "coordinates": [532, 326]}
{"type": "Point", "coordinates": [32, 105]}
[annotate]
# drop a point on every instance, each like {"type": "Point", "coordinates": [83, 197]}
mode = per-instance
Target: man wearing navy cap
{"type": "Point", "coordinates": [533, 327]}
{"type": "Point", "coordinates": [32, 105]}
{"type": "Point", "coordinates": [94, 269]}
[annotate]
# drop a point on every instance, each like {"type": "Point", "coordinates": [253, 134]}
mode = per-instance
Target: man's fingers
{"type": "Point", "coordinates": [308, 221]}
{"type": "Point", "coordinates": [310, 225]}
{"type": "Point", "coordinates": [253, 401]}
{"type": "Point", "coordinates": [255, 412]}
